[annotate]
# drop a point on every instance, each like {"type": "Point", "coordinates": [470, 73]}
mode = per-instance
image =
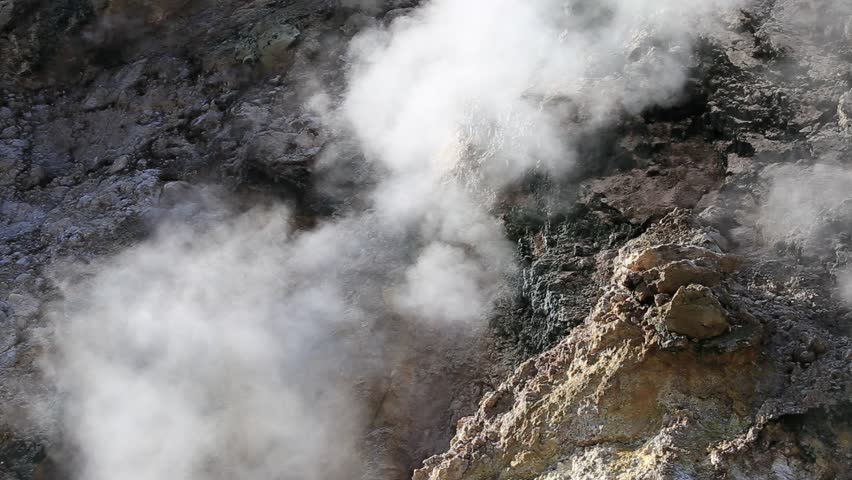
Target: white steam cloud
{"type": "Point", "coordinates": [491, 81]}
{"type": "Point", "coordinates": [805, 203]}
{"type": "Point", "coordinates": [809, 208]}
{"type": "Point", "coordinates": [242, 349]}
{"type": "Point", "coordinates": [213, 354]}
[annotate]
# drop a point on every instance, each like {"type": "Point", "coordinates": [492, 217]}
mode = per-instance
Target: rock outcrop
{"type": "Point", "coordinates": [647, 390]}
{"type": "Point", "coordinates": [682, 305]}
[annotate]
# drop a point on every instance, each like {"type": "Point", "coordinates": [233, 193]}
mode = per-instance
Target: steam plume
{"type": "Point", "coordinates": [237, 350]}
{"type": "Point", "coordinates": [809, 209]}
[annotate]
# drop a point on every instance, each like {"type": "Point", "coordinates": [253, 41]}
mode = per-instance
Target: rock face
{"type": "Point", "coordinates": [682, 304]}
{"type": "Point", "coordinates": [622, 397]}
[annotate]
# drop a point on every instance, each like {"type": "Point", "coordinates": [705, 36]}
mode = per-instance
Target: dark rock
{"type": "Point", "coordinates": [661, 299]}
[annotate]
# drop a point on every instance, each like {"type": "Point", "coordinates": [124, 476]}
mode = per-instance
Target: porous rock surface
{"type": "Point", "coordinates": [760, 389]}
{"type": "Point", "coordinates": [662, 329]}
{"type": "Point", "coordinates": [646, 390]}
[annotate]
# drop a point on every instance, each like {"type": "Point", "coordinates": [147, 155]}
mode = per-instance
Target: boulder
{"type": "Point", "coordinates": [275, 44]}
{"type": "Point", "coordinates": [660, 255]}
{"type": "Point", "coordinates": [696, 313]}
{"type": "Point", "coordinates": [685, 272]}
{"type": "Point", "coordinates": [23, 305]}
{"type": "Point", "coordinates": [174, 192]}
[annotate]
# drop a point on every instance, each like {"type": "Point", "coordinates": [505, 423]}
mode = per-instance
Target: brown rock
{"type": "Point", "coordinates": [275, 45]}
{"type": "Point", "coordinates": [685, 272]}
{"type": "Point", "coordinates": [660, 255]}
{"type": "Point", "coordinates": [643, 293]}
{"type": "Point", "coordinates": [729, 263]}
{"type": "Point", "coordinates": [696, 313]}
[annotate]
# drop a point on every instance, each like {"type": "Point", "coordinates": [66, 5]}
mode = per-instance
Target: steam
{"type": "Point", "coordinates": [504, 84]}
{"type": "Point", "coordinates": [809, 208]}
{"type": "Point", "coordinates": [213, 354]}
{"type": "Point", "coordinates": [806, 204]}
{"type": "Point", "coordinates": [241, 348]}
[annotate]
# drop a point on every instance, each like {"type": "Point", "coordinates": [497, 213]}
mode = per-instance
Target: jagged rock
{"type": "Point", "coordinates": [36, 176]}
{"type": "Point", "coordinates": [275, 45]}
{"type": "Point", "coordinates": [275, 148]}
{"type": "Point", "coordinates": [111, 87]}
{"type": "Point", "coordinates": [660, 255]}
{"type": "Point", "coordinates": [675, 275]}
{"type": "Point", "coordinates": [11, 161]}
{"type": "Point", "coordinates": [695, 312]}
{"type": "Point", "coordinates": [612, 400]}
{"type": "Point", "coordinates": [119, 164]}
{"type": "Point", "coordinates": [668, 267]}
{"type": "Point", "coordinates": [559, 286]}
{"type": "Point", "coordinates": [175, 192]}
{"type": "Point", "coordinates": [23, 305]}
{"type": "Point", "coordinates": [181, 88]}
{"type": "Point", "coordinates": [640, 197]}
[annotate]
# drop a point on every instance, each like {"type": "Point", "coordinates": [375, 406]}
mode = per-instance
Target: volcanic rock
{"type": "Point", "coordinates": [695, 312]}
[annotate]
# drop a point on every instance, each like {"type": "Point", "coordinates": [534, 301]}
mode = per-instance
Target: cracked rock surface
{"type": "Point", "coordinates": [683, 314]}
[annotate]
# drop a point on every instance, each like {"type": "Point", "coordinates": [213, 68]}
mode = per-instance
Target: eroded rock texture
{"type": "Point", "coordinates": [708, 350]}
{"type": "Point", "coordinates": [655, 386]}
{"type": "Point", "coordinates": [681, 307]}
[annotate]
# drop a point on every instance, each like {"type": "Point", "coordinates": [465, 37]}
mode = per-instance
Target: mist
{"type": "Point", "coordinates": [459, 83]}
{"type": "Point", "coordinates": [243, 347]}
{"type": "Point", "coordinates": [212, 353]}
{"type": "Point", "coordinates": [809, 208]}
{"type": "Point", "coordinates": [804, 204]}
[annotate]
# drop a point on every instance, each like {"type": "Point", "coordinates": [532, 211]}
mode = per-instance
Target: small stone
{"type": "Point", "coordinates": [818, 346]}
{"type": "Point", "coordinates": [643, 293]}
{"type": "Point", "coordinates": [119, 164]}
{"type": "Point", "coordinates": [23, 278]}
{"type": "Point", "coordinates": [206, 122]}
{"type": "Point", "coordinates": [275, 46]}
{"type": "Point", "coordinates": [721, 241]}
{"type": "Point", "coordinates": [661, 299]}
{"type": "Point", "coordinates": [696, 313]}
{"type": "Point", "coordinates": [805, 356]}
{"type": "Point", "coordinates": [9, 133]}
{"type": "Point", "coordinates": [174, 192]}
{"type": "Point", "coordinates": [23, 305]}
{"type": "Point", "coordinates": [36, 176]}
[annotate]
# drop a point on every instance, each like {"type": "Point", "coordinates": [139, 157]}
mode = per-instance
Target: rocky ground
{"type": "Point", "coordinates": [681, 310]}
